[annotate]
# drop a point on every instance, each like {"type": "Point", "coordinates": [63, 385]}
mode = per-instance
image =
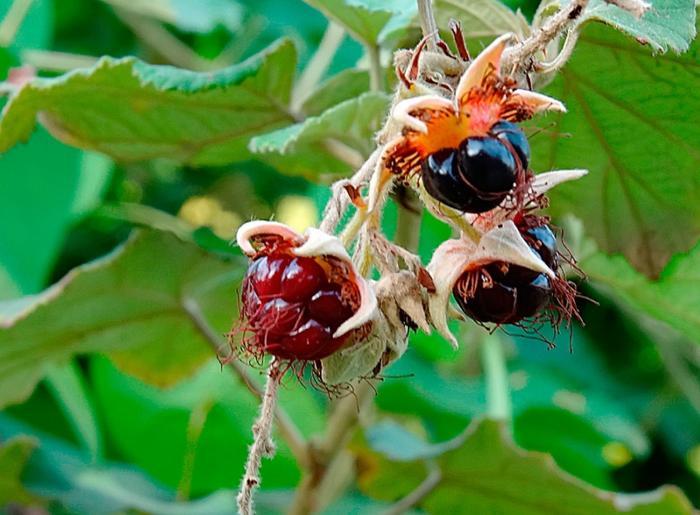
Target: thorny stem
{"type": "Point", "coordinates": [496, 372]}
{"type": "Point", "coordinates": [263, 446]}
{"type": "Point", "coordinates": [288, 430]}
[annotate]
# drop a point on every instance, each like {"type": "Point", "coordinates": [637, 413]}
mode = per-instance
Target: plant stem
{"type": "Point", "coordinates": [288, 430]}
{"type": "Point", "coordinates": [318, 64]}
{"type": "Point", "coordinates": [49, 60]}
{"type": "Point", "coordinates": [417, 495]}
{"type": "Point", "coordinates": [13, 21]}
{"type": "Point", "coordinates": [263, 446]}
{"type": "Point", "coordinates": [427, 22]}
{"type": "Point", "coordinates": [496, 372]}
{"type": "Point", "coordinates": [376, 80]}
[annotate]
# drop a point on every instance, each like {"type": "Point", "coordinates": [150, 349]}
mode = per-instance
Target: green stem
{"type": "Point", "coordinates": [13, 20]}
{"type": "Point", "coordinates": [496, 372]}
{"type": "Point", "coordinates": [376, 81]}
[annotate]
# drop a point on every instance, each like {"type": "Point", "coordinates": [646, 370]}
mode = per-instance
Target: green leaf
{"type": "Point", "coordinates": [480, 18]}
{"type": "Point", "coordinates": [14, 454]}
{"type": "Point", "coordinates": [199, 16]}
{"type": "Point", "coordinates": [66, 382]}
{"type": "Point", "coordinates": [629, 125]}
{"type": "Point", "coordinates": [302, 148]}
{"type": "Point", "coordinates": [346, 85]}
{"type": "Point", "coordinates": [673, 298]}
{"type": "Point", "coordinates": [668, 24]}
{"type": "Point", "coordinates": [484, 472]}
{"type": "Point", "coordinates": [75, 184]}
{"type": "Point", "coordinates": [159, 439]}
{"type": "Point", "coordinates": [131, 110]}
{"type": "Point", "coordinates": [130, 305]}
{"type": "Point", "coordinates": [366, 20]}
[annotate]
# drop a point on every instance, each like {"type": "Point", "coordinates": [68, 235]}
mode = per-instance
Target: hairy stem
{"type": "Point", "coordinates": [263, 446]}
{"type": "Point", "coordinates": [496, 372]}
{"type": "Point", "coordinates": [288, 430]}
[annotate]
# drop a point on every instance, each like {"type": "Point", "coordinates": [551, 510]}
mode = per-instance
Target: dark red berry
{"type": "Point", "coordinates": [293, 305]}
{"type": "Point", "coordinates": [301, 279]}
{"type": "Point", "coordinates": [474, 178]}
{"type": "Point", "coordinates": [511, 135]}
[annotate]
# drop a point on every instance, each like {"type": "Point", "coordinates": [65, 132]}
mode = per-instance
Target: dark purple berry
{"type": "Point", "coordinates": [510, 133]}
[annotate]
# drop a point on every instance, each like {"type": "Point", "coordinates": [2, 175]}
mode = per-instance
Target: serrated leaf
{"type": "Point", "coordinates": [668, 24]}
{"type": "Point", "coordinates": [301, 148]}
{"type": "Point", "coordinates": [14, 455]}
{"type": "Point", "coordinates": [130, 305]}
{"type": "Point", "coordinates": [673, 298]}
{"type": "Point", "coordinates": [629, 125]}
{"type": "Point", "coordinates": [131, 110]}
{"type": "Point", "coordinates": [365, 20]}
{"type": "Point", "coordinates": [480, 18]}
{"type": "Point", "coordinates": [482, 471]}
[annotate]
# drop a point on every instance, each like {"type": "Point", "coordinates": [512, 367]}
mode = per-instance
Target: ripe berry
{"type": "Point", "coordinates": [293, 305]}
{"type": "Point", "coordinates": [511, 134]}
{"type": "Point", "coordinates": [474, 178]}
{"type": "Point", "coordinates": [504, 293]}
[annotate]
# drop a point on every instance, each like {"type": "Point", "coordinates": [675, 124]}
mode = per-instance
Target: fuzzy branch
{"type": "Point", "coordinates": [263, 446]}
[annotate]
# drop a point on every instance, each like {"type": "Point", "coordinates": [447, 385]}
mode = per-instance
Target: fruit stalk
{"type": "Point", "coordinates": [263, 446]}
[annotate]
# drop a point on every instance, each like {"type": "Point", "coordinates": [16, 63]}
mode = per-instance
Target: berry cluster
{"type": "Point", "coordinates": [479, 174]}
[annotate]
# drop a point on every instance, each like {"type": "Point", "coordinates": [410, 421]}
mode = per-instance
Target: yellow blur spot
{"type": "Point", "coordinates": [693, 459]}
{"type": "Point", "coordinates": [208, 212]}
{"type": "Point", "coordinates": [298, 212]}
{"type": "Point", "coordinates": [571, 401]}
{"type": "Point", "coordinates": [616, 454]}
{"type": "Point", "coordinates": [518, 380]}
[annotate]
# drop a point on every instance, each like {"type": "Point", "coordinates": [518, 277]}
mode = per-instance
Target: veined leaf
{"type": "Point", "coordinates": [482, 471]}
{"type": "Point", "coordinates": [668, 24]}
{"type": "Point", "coordinates": [628, 124]}
{"type": "Point", "coordinates": [480, 18]}
{"type": "Point", "coordinates": [348, 84]}
{"type": "Point", "coordinates": [131, 110]}
{"type": "Point", "coordinates": [131, 305]}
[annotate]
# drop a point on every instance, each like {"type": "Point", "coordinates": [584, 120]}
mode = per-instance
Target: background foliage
{"type": "Point", "coordinates": [121, 184]}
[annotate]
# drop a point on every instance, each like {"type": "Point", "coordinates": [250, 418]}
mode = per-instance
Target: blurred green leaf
{"type": "Point", "coordinates": [346, 85]}
{"type": "Point", "coordinates": [14, 454]}
{"type": "Point", "coordinates": [129, 304]}
{"type": "Point", "coordinates": [302, 148]}
{"type": "Point", "coordinates": [668, 24]}
{"type": "Point", "coordinates": [484, 472]}
{"type": "Point", "coordinates": [673, 298]}
{"type": "Point", "coordinates": [158, 439]}
{"type": "Point", "coordinates": [629, 125]}
{"type": "Point", "coordinates": [365, 20]}
{"type": "Point", "coordinates": [131, 110]}
{"type": "Point", "coordinates": [62, 474]}
{"type": "Point", "coordinates": [480, 18]}
{"type": "Point", "coordinates": [66, 382]}
{"type": "Point", "coordinates": [34, 221]}
{"type": "Point", "coordinates": [188, 15]}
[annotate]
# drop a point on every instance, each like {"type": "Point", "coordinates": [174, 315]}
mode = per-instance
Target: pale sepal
{"type": "Point", "coordinates": [488, 61]}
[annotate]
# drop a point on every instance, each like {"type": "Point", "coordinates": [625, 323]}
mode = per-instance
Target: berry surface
{"type": "Point", "coordinates": [294, 305]}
